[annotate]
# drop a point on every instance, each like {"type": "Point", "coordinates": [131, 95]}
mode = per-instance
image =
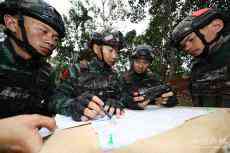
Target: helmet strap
{"type": "Point", "coordinates": [102, 57]}
{"type": "Point", "coordinates": [206, 44]}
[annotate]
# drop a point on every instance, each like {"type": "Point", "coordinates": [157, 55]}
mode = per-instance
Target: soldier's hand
{"type": "Point", "coordinates": [94, 109]}
{"type": "Point", "coordinates": [86, 107]}
{"type": "Point", "coordinates": [113, 106]}
{"type": "Point", "coordinates": [141, 101]}
{"type": "Point", "coordinates": [19, 134]}
{"type": "Point", "coordinates": [143, 104]}
{"type": "Point", "coordinates": [163, 99]}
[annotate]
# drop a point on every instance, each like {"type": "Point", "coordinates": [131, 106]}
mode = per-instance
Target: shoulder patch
{"type": "Point", "coordinates": [64, 74]}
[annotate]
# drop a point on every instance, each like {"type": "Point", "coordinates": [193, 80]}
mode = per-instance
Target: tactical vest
{"type": "Point", "coordinates": [134, 81]}
{"type": "Point", "coordinates": [98, 79]}
{"type": "Point", "coordinates": [210, 80]}
{"type": "Point", "coordinates": [145, 84]}
{"type": "Point", "coordinates": [24, 85]}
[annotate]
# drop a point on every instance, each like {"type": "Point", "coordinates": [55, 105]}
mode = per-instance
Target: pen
{"type": "Point", "coordinates": [107, 114]}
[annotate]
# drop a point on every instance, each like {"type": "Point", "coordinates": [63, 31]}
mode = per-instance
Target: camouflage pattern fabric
{"type": "Point", "coordinates": [97, 79]}
{"type": "Point", "coordinates": [210, 77]}
{"type": "Point", "coordinates": [133, 82]}
{"type": "Point", "coordinates": [24, 85]}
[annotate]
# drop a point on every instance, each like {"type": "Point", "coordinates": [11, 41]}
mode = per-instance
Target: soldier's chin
{"type": "Point", "coordinates": [196, 53]}
{"type": "Point", "coordinates": [41, 53]}
{"type": "Point", "coordinates": [111, 63]}
{"type": "Point", "coordinates": [139, 71]}
{"type": "Point", "coordinates": [45, 53]}
{"type": "Point", "coordinates": [44, 50]}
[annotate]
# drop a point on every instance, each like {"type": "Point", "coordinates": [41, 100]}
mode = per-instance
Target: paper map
{"type": "Point", "coordinates": [140, 124]}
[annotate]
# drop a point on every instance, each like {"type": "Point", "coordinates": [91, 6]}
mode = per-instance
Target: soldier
{"type": "Point", "coordinates": [139, 77]}
{"type": "Point", "coordinates": [92, 91]}
{"type": "Point", "coordinates": [33, 29]}
{"type": "Point", "coordinates": [203, 36]}
{"type": "Point", "coordinates": [84, 57]}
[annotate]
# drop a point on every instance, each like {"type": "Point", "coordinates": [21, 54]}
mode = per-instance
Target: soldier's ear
{"type": "Point", "coordinates": [11, 22]}
{"type": "Point", "coordinates": [97, 50]}
{"type": "Point", "coordinates": [217, 25]}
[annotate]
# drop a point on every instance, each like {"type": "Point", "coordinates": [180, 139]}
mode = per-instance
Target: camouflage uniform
{"type": "Point", "coordinates": [133, 81]}
{"type": "Point", "coordinates": [216, 64]}
{"type": "Point", "coordinates": [84, 81]}
{"type": "Point", "coordinates": [25, 85]}
{"type": "Point", "coordinates": [97, 79]}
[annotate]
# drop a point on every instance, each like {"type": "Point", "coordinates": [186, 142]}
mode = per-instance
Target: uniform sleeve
{"type": "Point", "coordinates": [126, 97]}
{"type": "Point", "coordinates": [114, 99]}
{"type": "Point", "coordinates": [172, 101]}
{"type": "Point", "coordinates": [63, 94]}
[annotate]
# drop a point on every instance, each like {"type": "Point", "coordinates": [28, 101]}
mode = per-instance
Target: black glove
{"type": "Point", "coordinates": [79, 104]}
{"type": "Point", "coordinates": [129, 103]}
{"type": "Point", "coordinates": [172, 101]}
{"type": "Point", "coordinates": [114, 103]}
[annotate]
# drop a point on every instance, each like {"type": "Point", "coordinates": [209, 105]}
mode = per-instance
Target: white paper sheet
{"type": "Point", "coordinates": [135, 125]}
{"type": "Point", "coordinates": [63, 122]}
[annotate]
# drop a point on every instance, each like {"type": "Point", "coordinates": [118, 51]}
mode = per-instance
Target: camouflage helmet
{"type": "Point", "coordinates": [114, 39]}
{"type": "Point", "coordinates": [86, 53]}
{"type": "Point", "coordinates": [143, 52]}
{"type": "Point", "coordinates": [181, 31]}
{"type": "Point", "coordinates": [95, 38]}
{"type": "Point", "coordinates": [38, 9]}
{"type": "Point", "coordinates": [193, 23]}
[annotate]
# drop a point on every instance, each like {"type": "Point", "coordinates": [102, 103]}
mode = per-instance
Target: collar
{"type": "Point", "coordinates": [18, 60]}
{"type": "Point", "coordinates": [100, 66]}
{"type": "Point", "coordinates": [223, 39]}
